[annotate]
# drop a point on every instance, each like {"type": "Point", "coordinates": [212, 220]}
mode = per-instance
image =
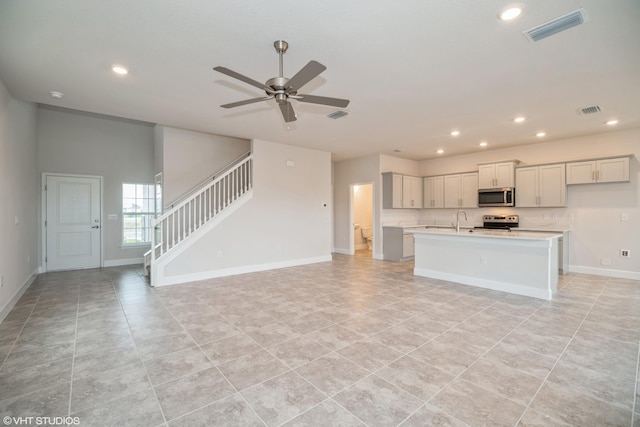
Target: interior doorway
{"type": "Point", "coordinates": [72, 222]}
{"type": "Point", "coordinates": [362, 237]}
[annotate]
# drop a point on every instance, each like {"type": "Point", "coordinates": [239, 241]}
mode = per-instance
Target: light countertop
{"type": "Point", "coordinates": [499, 234]}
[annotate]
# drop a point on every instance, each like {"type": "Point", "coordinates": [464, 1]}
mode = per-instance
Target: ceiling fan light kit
{"type": "Point", "coordinates": [282, 88]}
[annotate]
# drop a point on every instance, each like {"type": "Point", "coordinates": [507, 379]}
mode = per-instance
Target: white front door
{"type": "Point", "coordinates": [72, 222]}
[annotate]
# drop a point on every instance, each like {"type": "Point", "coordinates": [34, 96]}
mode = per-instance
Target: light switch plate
{"type": "Point", "coordinates": [113, 217]}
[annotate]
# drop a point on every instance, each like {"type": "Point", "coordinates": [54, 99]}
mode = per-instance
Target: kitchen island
{"type": "Point", "coordinates": [519, 262]}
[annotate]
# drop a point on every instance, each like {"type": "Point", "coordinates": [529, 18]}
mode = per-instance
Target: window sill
{"type": "Point", "coordinates": [135, 245]}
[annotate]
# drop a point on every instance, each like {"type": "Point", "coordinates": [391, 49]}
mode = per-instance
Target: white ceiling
{"type": "Point", "coordinates": [414, 70]}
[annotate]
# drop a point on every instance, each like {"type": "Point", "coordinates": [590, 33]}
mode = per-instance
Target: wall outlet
{"type": "Point", "coordinates": [483, 260]}
{"type": "Point", "coordinates": [624, 217]}
{"type": "Point", "coordinates": [625, 253]}
{"type": "Point", "coordinates": [219, 253]}
{"type": "Point", "coordinates": [605, 261]}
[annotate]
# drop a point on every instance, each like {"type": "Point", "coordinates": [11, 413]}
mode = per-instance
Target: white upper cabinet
{"type": "Point", "coordinates": [602, 170]}
{"type": "Point", "coordinates": [496, 175]}
{"type": "Point", "coordinates": [541, 186]}
{"type": "Point", "coordinates": [400, 191]}
{"type": "Point", "coordinates": [433, 192]}
{"type": "Point", "coordinates": [461, 190]}
{"type": "Point", "coordinates": [411, 192]}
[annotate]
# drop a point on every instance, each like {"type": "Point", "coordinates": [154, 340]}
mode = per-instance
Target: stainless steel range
{"type": "Point", "coordinates": [500, 222]}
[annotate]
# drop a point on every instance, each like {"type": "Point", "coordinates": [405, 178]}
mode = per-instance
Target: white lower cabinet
{"type": "Point", "coordinates": [397, 243]}
{"type": "Point", "coordinates": [541, 186]}
{"type": "Point", "coordinates": [461, 190]}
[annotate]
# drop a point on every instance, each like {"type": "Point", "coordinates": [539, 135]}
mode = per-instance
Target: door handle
{"type": "Point", "coordinates": [96, 226]}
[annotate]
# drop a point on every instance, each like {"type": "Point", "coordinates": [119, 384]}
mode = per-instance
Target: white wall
{"type": "Point", "coordinates": [18, 196]}
{"type": "Point", "coordinates": [287, 222]}
{"type": "Point", "coordinates": [188, 158]}
{"type": "Point", "coordinates": [73, 142]}
{"type": "Point", "coordinates": [593, 210]}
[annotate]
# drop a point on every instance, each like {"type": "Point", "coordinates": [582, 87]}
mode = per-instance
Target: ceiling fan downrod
{"type": "Point", "coordinates": [281, 47]}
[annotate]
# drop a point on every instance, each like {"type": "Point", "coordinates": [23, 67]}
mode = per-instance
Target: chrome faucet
{"type": "Point", "coordinates": [458, 220]}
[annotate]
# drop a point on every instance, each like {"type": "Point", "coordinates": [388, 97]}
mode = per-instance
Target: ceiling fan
{"type": "Point", "coordinates": [281, 88]}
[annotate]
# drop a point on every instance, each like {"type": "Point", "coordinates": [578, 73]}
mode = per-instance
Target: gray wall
{"type": "Point", "coordinates": [72, 142]}
{"type": "Point", "coordinates": [187, 158]}
{"type": "Point", "coordinates": [18, 198]}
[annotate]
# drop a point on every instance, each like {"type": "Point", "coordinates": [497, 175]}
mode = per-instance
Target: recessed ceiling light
{"type": "Point", "coordinates": [483, 144]}
{"type": "Point", "coordinates": [56, 94]}
{"type": "Point", "coordinates": [519, 119]}
{"type": "Point", "coordinates": [455, 133]}
{"type": "Point", "coordinates": [119, 69]}
{"type": "Point", "coordinates": [612, 122]}
{"type": "Point", "coordinates": [510, 13]}
{"type": "Point", "coordinates": [540, 134]}
{"type": "Point", "coordinates": [440, 151]}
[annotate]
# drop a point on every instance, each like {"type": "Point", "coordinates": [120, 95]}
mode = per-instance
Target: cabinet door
{"type": "Point", "coordinates": [428, 196]}
{"type": "Point", "coordinates": [469, 190]}
{"type": "Point", "coordinates": [552, 189]}
{"type": "Point", "coordinates": [527, 187]}
{"type": "Point", "coordinates": [416, 192]}
{"type": "Point", "coordinates": [438, 191]}
{"type": "Point", "coordinates": [486, 176]}
{"type": "Point", "coordinates": [408, 246]}
{"type": "Point", "coordinates": [406, 192]}
{"type": "Point", "coordinates": [613, 170]}
{"type": "Point", "coordinates": [452, 187]}
{"type": "Point", "coordinates": [581, 172]}
{"type": "Point", "coordinates": [504, 174]}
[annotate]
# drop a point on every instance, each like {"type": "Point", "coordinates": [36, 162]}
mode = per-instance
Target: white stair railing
{"type": "Point", "coordinates": [203, 205]}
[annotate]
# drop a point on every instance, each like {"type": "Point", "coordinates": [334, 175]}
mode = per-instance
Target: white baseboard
{"type": "Point", "coordinates": [127, 261]}
{"type": "Point", "coordinates": [620, 274]}
{"type": "Point", "coordinates": [17, 295]}
{"type": "Point", "coordinates": [184, 278]}
{"type": "Point", "coordinates": [342, 251]}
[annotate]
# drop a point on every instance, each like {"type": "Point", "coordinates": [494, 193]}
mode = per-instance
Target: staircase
{"type": "Point", "coordinates": [198, 212]}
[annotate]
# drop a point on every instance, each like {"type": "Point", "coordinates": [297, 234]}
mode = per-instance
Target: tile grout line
{"type": "Point", "coordinates": [546, 378]}
{"type": "Point", "coordinates": [468, 367]}
{"type": "Point", "coordinates": [73, 359]}
{"type": "Point", "coordinates": [213, 365]}
{"type": "Point", "coordinates": [135, 344]}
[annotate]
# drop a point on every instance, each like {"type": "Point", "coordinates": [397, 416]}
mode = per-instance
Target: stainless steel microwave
{"type": "Point", "coordinates": [497, 197]}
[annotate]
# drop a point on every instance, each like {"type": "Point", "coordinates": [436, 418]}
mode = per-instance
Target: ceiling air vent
{"type": "Point", "coordinates": [556, 25]}
{"type": "Point", "coordinates": [590, 110]}
{"type": "Point", "coordinates": [337, 114]}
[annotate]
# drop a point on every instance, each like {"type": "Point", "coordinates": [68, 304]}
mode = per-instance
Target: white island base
{"type": "Point", "coordinates": [517, 262]}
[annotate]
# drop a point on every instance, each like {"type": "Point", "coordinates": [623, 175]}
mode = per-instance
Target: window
{"type": "Point", "coordinates": [138, 210]}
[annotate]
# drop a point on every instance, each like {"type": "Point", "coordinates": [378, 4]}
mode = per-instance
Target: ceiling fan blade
{"type": "Point", "coordinates": [287, 112]}
{"type": "Point", "coordinates": [306, 74]}
{"type": "Point", "coordinates": [239, 76]}
{"type": "Point", "coordinates": [246, 101]}
{"type": "Point", "coordinates": [335, 102]}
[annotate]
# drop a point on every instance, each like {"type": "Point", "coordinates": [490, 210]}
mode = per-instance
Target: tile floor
{"type": "Point", "coordinates": [352, 342]}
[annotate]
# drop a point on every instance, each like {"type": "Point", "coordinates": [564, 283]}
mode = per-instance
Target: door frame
{"type": "Point", "coordinates": [43, 201]}
{"type": "Point", "coordinates": [352, 243]}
